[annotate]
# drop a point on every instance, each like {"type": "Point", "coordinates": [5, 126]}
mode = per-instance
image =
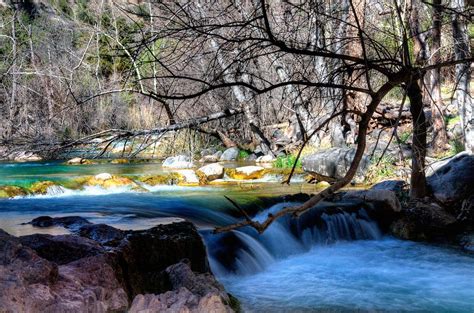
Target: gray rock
{"type": "Point", "coordinates": [467, 242]}
{"type": "Point", "coordinates": [190, 292]}
{"type": "Point", "coordinates": [392, 185]}
{"type": "Point", "coordinates": [452, 180]}
{"type": "Point", "coordinates": [384, 199]}
{"type": "Point", "coordinates": [332, 164]}
{"type": "Point", "coordinates": [230, 154]}
{"type": "Point", "coordinates": [179, 162]}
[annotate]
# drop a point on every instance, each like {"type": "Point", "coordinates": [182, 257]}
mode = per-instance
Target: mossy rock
{"type": "Point", "coordinates": [246, 172]}
{"type": "Point", "coordinates": [167, 179]}
{"type": "Point", "coordinates": [41, 187]}
{"type": "Point", "coordinates": [120, 161]}
{"type": "Point", "coordinates": [12, 191]}
{"type": "Point", "coordinates": [113, 181]}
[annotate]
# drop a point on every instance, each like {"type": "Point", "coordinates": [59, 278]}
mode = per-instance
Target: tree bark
{"type": "Point", "coordinates": [463, 97]}
{"type": "Point", "coordinates": [440, 138]}
{"type": "Point", "coordinates": [418, 187]}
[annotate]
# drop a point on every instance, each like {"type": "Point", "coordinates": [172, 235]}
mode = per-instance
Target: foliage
{"type": "Point", "coordinates": [381, 169]}
{"type": "Point", "coordinates": [403, 137]}
{"type": "Point", "coordinates": [243, 155]}
{"type": "Point", "coordinates": [286, 161]}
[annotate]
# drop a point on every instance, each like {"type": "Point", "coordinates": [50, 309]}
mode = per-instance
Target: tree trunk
{"type": "Point", "coordinates": [463, 98]}
{"type": "Point", "coordinates": [418, 179]}
{"type": "Point", "coordinates": [440, 139]}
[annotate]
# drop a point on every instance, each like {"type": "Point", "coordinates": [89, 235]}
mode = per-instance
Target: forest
{"type": "Point", "coordinates": [197, 154]}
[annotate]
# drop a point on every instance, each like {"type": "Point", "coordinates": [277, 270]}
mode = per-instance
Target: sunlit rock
{"type": "Point", "coordinates": [79, 161]}
{"type": "Point", "coordinates": [452, 180]}
{"type": "Point", "coordinates": [333, 164]}
{"type": "Point", "coordinates": [246, 172]}
{"type": "Point", "coordinates": [230, 154]}
{"type": "Point", "coordinates": [26, 156]}
{"type": "Point", "coordinates": [106, 180]}
{"type": "Point", "coordinates": [178, 162]}
{"type": "Point", "coordinates": [211, 172]}
{"type": "Point", "coordinates": [188, 178]}
{"type": "Point", "coordinates": [265, 159]}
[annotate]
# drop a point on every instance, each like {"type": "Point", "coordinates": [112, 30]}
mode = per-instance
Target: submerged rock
{"type": "Point", "coordinates": [230, 154]}
{"type": "Point", "coordinates": [178, 162]}
{"type": "Point", "coordinates": [12, 191]}
{"type": "Point", "coordinates": [166, 179]}
{"type": "Point", "coordinates": [69, 222]}
{"type": "Point", "coordinates": [246, 172]}
{"type": "Point", "coordinates": [120, 161]}
{"type": "Point", "coordinates": [332, 164]}
{"type": "Point", "coordinates": [211, 172]}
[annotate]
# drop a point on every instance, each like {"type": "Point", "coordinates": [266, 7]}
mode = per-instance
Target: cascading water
{"type": "Point", "coordinates": [245, 252]}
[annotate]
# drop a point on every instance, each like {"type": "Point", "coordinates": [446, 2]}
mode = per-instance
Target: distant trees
{"type": "Point", "coordinates": [320, 67]}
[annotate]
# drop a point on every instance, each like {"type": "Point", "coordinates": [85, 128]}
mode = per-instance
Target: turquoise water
{"type": "Point", "coordinates": [342, 263]}
{"type": "Point", "coordinates": [23, 174]}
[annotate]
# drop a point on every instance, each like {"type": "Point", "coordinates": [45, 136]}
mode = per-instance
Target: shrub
{"type": "Point", "coordinates": [287, 161]}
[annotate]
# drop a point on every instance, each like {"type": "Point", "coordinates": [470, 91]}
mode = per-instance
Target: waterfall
{"type": "Point", "coordinates": [244, 251]}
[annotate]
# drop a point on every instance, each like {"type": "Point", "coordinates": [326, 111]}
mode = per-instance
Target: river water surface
{"type": "Point", "coordinates": [339, 263]}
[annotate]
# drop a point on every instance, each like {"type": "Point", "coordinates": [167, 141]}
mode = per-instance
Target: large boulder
{"type": "Point", "coordinates": [191, 292]}
{"type": "Point", "coordinates": [165, 269]}
{"type": "Point", "coordinates": [211, 172]}
{"type": "Point", "coordinates": [453, 181]}
{"type": "Point", "coordinates": [246, 172]}
{"type": "Point", "coordinates": [230, 154]}
{"type": "Point", "coordinates": [384, 199]}
{"type": "Point", "coordinates": [62, 249]}
{"type": "Point", "coordinates": [425, 221]}
{"type": "Point", "coordinates": [332, 164]}
{"type": "Point", "coordinates": [177, 162]}
{"type": "Point", "coordinates": [146, 254]}
{"type": "Point", "coordinates": [30, 283]}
